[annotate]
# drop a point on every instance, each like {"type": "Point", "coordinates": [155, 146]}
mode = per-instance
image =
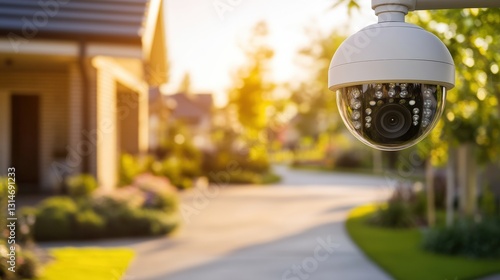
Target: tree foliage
{"type": "Point", "coordinates": [251, 92]}
{"type": "Point", "coordinates": [472, 112]}
{"type": "Point", "coordinates": [351, 5]}
{"type": "Point", "coordinates": [316, 104]}
{"type": "Point", "coordinates": [185, 85]}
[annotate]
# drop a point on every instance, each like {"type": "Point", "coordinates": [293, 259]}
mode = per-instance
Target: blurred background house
{"type": "Point", "coordinates": [74, 83]}
{"type": "Point", "coordinates": [195, 112]}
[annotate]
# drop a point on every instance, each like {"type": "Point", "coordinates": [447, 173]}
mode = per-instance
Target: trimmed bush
{"type": "Point", "coordinates": [129, 168]}
{"type": "Point", "coordinates": [149, 222]}
{"type": "Point", "coordinates": [116, 212]}
{"type": "Point", "coordinates": [89, 225]}
{"type": "Point", "coordinates": [4, 272]}
{"type": "Point", "coordinates": [147, 207]}
{"type": "Point", "coordinates": [159, 193]}
{"type": "Point", "coordinates": [54, 219]}
{"type": "Point", "coordinates": [244, 177]}
{"type": "Point", "coordinates": [467, 239]}
{"type": "Point", "coordinates": [127, 222]}
{"type": "Point", "coordinates": [144, 208]}
{"type": "Point", "coordinates": [159, 223]}
{"type": "Point", "coordinates": [28, 265]}
{"type": "Point", "coordinates": [81, 185]}
{"type": "Point", "coordinates": [122, 223]}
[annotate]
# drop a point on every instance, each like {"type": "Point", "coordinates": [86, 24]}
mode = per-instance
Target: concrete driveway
{"type": "Point", "coordinates": [292, 231]}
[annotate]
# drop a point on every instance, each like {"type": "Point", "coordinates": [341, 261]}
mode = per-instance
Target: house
{"type": "Point", "coordinates": [194, 111]}
{"type": "Point", "coordinates": [74, 83]}
{"type": "Point", "coordinates": [159, 113]}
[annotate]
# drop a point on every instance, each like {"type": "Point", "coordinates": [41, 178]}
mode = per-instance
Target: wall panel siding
{"type": "Point", "coordinates": [52, 87]}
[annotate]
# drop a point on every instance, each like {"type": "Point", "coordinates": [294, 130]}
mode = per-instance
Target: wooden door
{"type": "Point", "coordinates": [25, 136]}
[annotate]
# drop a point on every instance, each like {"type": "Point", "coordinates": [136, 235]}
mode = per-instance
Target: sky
{"type": "Point", "coordinates": [203, 40]}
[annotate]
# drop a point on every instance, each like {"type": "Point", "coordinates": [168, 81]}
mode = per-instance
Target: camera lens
{"type": "Point", "coordinates": [393, 121]}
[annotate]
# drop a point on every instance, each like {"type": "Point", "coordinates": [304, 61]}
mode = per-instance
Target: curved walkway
{"type": "Point", "coordinates": [291, 231]}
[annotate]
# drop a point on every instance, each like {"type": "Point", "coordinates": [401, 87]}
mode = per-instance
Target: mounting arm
{"type": "Point", "coordinates": [395, 10]}
{"type": "Point", "coordinates": [454, 4]}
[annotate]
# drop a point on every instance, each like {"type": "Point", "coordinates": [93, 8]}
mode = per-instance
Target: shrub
{"type": "Point", "coordinates": [129, 168]}
{"type": "Point", "coordinates": [488, 202]}
{"type": "Point", "coordinates": [190, 169]}
{"type": "Point", "coordinates": [26, 219]}
{"type": "Point", "coordinates": [29, 266]}
{"type": "Point", "coordinates": [81, 185]}
{"type": "Point", "coordinates": [132, 166]}
{"type": "Point", "coordinates": [4, 272]}
{"type": "Point", "coordinates": [185, 184]}
{"type": "Point", "coordinates": [418, 206]}
{"type": "Point", "coordinates": [126, 222]}
{"type": "Point", "coordinates": [165, 202]}
{"type": "Point", "coordinates": [123, 223]}
{"type": "Point", "coordinates": [349, 160]}
{"type": "Point", "coordinates": [270, 178]}
{"type": "Point", "coordinates": [159, 193]}
{"type": "Point", "coordinates": [171, 168]}
{"type": "Point", "coordinates": [399, 210]}
{"type": "Point", "coordinates": [150, 222]}
{"type": "Point", "coordinates": [54, 219]}
{"type": "Point", "coordinates": [257, 165]}
{"type": "Point", "coordinates": [159, 223]}
{"type": "Point", "coordinates": [144, 208]}
{"type": "Point", "coordinates": [115, 209]}
{"type": "Point", "coordinates": [396, 214]}
{"type": "Point", "coordinates": [89, 225]}
{"type": "Point", "coordinates": [149, 182]}
{"type": "Point", "coordinates": [127, 197]}
{"type": "Point", "coordinates": [466, 238]}
{"type": "Point", "coordinates": [244, 177]}
{"type": "Point", "coordinates": [4, 190]}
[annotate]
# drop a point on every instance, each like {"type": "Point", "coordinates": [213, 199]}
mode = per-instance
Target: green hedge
{"type": "Point", "coordinates": [148, 207]}
{"type": "Point", "coordinates": [55, 219]}
{"type": "Point", "coordinates": [81, 185]}
{"type": "Point", "coordinates": [476, 240]}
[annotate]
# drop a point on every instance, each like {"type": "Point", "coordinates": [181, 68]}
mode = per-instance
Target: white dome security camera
{"type": "Point", "coordinates": [391, 79]}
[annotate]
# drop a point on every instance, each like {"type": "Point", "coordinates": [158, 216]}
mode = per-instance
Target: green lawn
{"type": "Point", "coordinates": [87, 263]}
{"type": "Point", "coordinates": [398, 252]}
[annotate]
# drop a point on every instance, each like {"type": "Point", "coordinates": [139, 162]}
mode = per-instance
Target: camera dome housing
{"type": "Point", "coordinates": [391, 116]}
{"type": "Point", "coordinates": [399, 68]}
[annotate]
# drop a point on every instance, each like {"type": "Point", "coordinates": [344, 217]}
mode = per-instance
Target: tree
{"type": "Point", "coordinates": [471, 123]}
{"type": "Point", "coordinates": [252, 88]}
{"type": "Point", "coordinates": [185, 86]}
{"type": "Point", "coordinates": [351, 5]}
{"type": "Point", "coordinates": [316, 104]}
